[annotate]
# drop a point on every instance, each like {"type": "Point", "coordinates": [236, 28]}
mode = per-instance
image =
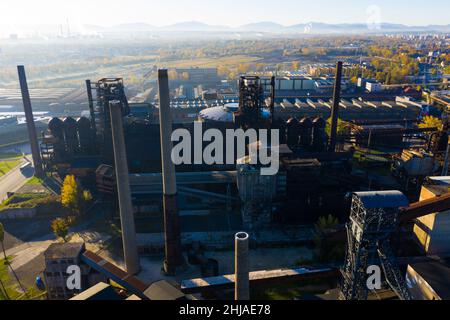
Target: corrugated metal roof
{"type": "Point", "coordinates": [101, 291]}
{"type": "Point", "coordinates": [383, 199]}
{"type": "Point", "coordinates": [64, 250]}
{"type": "Point", "coordinates": [437, 275]}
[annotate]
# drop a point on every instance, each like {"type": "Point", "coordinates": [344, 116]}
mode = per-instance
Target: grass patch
{"type": "Point", "coordinates": [12, 288]}
{"type": "Point", "coordinates": [7, 166]}
{"type": "Point", "coordinates": [29, 200]}
{"type": "Point", "coordinates": [35, 181]}
{"type": "Point", "coordinates": [293, 291]}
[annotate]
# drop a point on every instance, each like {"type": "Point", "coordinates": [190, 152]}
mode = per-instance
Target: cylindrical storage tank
{"type": "Point", "coordinates": [280, 125]}
{"type": "Point", "coordinates": [56, 128]}
{"type": "Point", "coordinates": [305, 132]}
{"type": "Point", "coordinates": [70, 134]}
{"type": "Point", "coordinates": [292, 132]}
{"type": "Point", "coordinates": [242, 267]}
{"type": "Point", "coordinates": [319, 134]}
{"type": "Point", "coordinates": [85, 136]}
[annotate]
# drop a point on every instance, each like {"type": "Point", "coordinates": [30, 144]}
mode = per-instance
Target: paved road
{"type": "Point", "coordinates": [14, 180]}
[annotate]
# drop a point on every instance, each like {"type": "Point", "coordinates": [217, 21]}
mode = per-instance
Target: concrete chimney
{"type": "Point", "coordinates": [91, 105]}
{"type": "Point", "coordinates": [123, 190]}
{"type": "Point", "coordinates": [32, 136]}
{"type": "Point", "coordinates": [172, 234]}
{"type": "Point", "coordinates": [241, 267]}
{"type": "Point", "coordinates": [335, 109]}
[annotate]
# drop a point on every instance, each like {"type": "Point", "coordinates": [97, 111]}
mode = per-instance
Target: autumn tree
{"type": "Point", "coordinates": [60, 228]}
{"type": "Point", "coordinates": [260, 66]}
{"type": "Point", "coordinates": [73, 197]}
{"type": "Point", "coordinates": [243, 68]}
{"type": "Point", "coordinates": [431, 122]}
{"type": "Point", "coordinates": [71, 194]}
{"type": "Point", "coordinates": [173, 74]}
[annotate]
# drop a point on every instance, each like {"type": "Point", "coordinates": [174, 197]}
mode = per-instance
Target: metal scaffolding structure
{"type": "Point", "coordinates": [255, 107]}
{"type": "Point", "coordinates": [373, 219]}
{"type": "Point", "coordinates": [107, 89]}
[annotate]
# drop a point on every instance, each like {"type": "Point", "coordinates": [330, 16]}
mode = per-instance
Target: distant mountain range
{"type": "Point", "coordinates": [272, 27]}
{"type": "Point", "coordinates": [259, 28]}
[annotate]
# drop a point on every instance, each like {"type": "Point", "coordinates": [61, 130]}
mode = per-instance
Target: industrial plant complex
{"type": "Point", "coordinates": [272, 180]}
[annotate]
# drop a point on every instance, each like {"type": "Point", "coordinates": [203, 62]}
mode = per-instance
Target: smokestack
{"type": "Point", "coordinates": [272, 99]}
{"type": "Point", "coordinates": [123, 190]}
{"type": "Point", "coordinates": [91, 105]}
{"type": "Point", "coordinates": [241, 267]}
{"type": "Point", "coordinates": [335, 110]}
{"type": "Point", "coordinates": [172, 233]}
{"type": "Point", "coordinates": [32, 136]}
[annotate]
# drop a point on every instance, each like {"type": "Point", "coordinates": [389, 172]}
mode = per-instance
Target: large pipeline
{"type": "Point", "coordinates": [424, 208]}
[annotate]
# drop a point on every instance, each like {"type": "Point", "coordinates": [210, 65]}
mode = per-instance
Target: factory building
{"type": "Point", "coordinates": [58, 258]}
{"type": "Point", "coordinates": [357, 110]}
{"type": "Point", "coordinates": [433, 231]}
{"type": "Point", "coordinates": [373, 86]}
{"type": "Point", "coordinates": [199, 75]}
{"type": "Point", "coordinates": [429, 280]}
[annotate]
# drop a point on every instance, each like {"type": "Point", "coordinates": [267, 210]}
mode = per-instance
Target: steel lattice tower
{"type": "Point", "coordinates": [373, 219]}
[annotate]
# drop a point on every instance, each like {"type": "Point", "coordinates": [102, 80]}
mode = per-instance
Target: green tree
{"type": "Point", "coordinates": [343, 127]}
{"type": "Point", "coordinates": [327, 250]}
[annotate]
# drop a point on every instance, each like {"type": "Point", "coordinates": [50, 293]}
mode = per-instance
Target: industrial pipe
{"type": "Point", "coordinates": [335, 109]}
{"type": "Point", "coordinates": [447, 160]}
{"type": "Point", "coordinates": [241, 267]}
{"type": "Point", "coordinates": [172, 234]}
{"type": "Point", "coordinates": [130, 251]}
{"type": "Point", "coordinates": [32, 136]}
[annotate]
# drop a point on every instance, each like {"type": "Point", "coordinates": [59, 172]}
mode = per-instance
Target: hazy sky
{"type": "Point", "coordinates": [220, 12]}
